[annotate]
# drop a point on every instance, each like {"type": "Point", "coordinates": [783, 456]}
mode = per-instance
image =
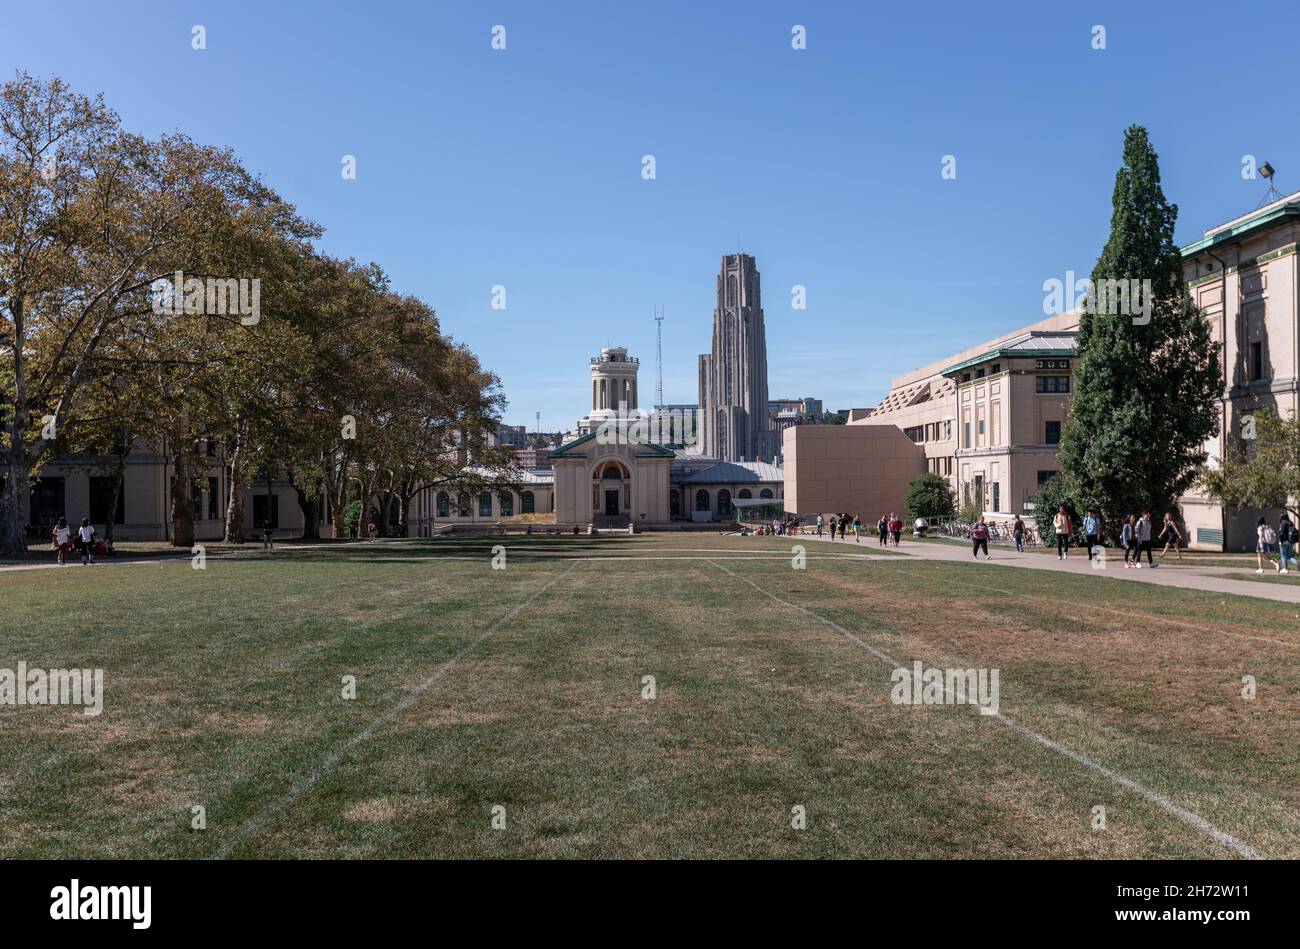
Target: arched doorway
{"type": "Point", "coordinates": [724, 503]}
{"type": "Point", "coordinates": [675, 503]}
{"type": "Point", "coordinates": [611, 491]}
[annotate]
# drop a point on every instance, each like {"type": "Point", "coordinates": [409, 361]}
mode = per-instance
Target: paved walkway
{"type": "Point", "coordinates": [1207, 578]}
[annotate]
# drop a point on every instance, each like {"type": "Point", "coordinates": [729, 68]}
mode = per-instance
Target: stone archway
{"type": "Point", "coordinates": [611, 493]}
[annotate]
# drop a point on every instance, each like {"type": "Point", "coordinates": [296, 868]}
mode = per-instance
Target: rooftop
{"type": "Point", "coordinates": [1029, 344]}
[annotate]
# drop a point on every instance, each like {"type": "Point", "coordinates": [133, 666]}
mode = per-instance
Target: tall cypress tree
{"type": "Point", "coordinates": [1148, 384]}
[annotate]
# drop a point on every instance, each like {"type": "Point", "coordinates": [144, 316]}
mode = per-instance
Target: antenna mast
{"type": "Point", "coordinates": [659, 358]}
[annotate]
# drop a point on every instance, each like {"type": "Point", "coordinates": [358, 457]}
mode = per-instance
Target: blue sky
{"type": "Point", "coordinates": [522, 167]}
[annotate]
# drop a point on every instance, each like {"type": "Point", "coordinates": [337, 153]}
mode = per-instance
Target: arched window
{"type": "Point", "coordinates": [612, 473]}
{"type": "Point", "coordinates": [526, 500]}
{"type": "Point", "coordinates": [444, 504]}
{"type": "Point", "coordinates": [485, 504]}
{"type": "Point", "coordinates": [765, 494]}
{"type": "Point", "coordinates": [724, 503]}
{"type": "Point", "coordinates": [462, 504]}
{"type": "Point", "coordinates": [744, 494]}
{"type": "Point", "coordinates": [507, 504]}
{"type": "Point", "coordinates": [702, 500]}
{"type": "Point", "coordinates": [675, 503]}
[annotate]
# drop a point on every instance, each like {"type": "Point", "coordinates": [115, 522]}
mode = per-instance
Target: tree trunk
{"type": "Point", "coordinates": [13, 539]}
{"type": "Point", "coordinates": [235, 505]}
{"type": "Point", "coordinates": [120, 472]}
{"type": "Point", "coordinates": [307, 505]}
{"type": "Point", "coordinates": [182, 510]}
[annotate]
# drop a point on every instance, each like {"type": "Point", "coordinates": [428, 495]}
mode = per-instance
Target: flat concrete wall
{"type": "Point", "coordinates": [855, 469]}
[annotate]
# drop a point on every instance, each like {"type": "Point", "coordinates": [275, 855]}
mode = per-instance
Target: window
{"type": "Point", "coordinates": [507, 501]}
{"type": "Point", "coordinates": [485, 504]}
{"type": "Point", "coordinates": [266, 510]}
{"type": "Point", "coordinates": [1256, 361]}
{"type": "Point", "coordinates": [213, 499]}
{"type": "Point", "coordinates": [675, 503]}
{"type": "Point", "coordinates": [1052, 384]}
{"type": "Point", "coordinates": [979, 373]}
{"type": "Point", "coordinates": [997, 496]}
{"type": "Point", "coordinates": [724, 503]}
{"type": "Point", "coordinates": [462, 504]}
{"type": "Point", "coordinates": [744, 494]}
{"type": "Point", "coordinates": [444, 504]}
{"type": "Point", "coordinates": [966, 435]}
{"type": "Point", "coordinates": [47, 503]}
{"type": "Point", "coordinates": [915, 433]}
{"type": "Point", "coordinates": [526, 502]}
{"type": "Point", "coordinates": [1053, 433]}
{"type": "Point", "coordinates": [765, 494]}
{"type": "Point", "coordinates": [997, 367]}
{"type": "Point", "coordinates": [1044, 477]}
{"type": "Point", "coordinates": [702, 500]}
{"type": "Point", "coordinates": [981, 426]}
{"type": "Point", "coordinates": [101, 498]}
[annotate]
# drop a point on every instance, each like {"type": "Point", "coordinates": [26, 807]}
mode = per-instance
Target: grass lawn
{"type": "Point", "coordinates": [223, 690]}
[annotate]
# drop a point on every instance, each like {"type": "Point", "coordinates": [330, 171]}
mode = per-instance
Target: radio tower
{"type": "Point", "coordinates": [659, 358]}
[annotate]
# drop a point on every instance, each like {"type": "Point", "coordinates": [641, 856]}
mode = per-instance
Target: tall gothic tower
{"type": "Point", "coordinates": [733, 378]}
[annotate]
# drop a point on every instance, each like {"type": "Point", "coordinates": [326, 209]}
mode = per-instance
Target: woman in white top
{"type": "Point", "coordinates": [86, 536]}
{"type": "Point", "coordinates": [62, 540]}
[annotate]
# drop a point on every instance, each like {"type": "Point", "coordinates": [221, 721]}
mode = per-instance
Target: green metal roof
{"type": "Point", "coordinates": [1253, 223]}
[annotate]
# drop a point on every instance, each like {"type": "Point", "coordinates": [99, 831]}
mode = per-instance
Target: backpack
{"type": "Point", "coordinates": [1270, 536]}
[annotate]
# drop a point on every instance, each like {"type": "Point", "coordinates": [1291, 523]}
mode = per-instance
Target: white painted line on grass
{"type": "Point", "coordinates": [1195, 820]}
{"type": "Point", "coordinates": [256, 823]}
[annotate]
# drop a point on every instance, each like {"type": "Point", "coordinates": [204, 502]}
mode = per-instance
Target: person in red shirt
{"type": "Point", "coordinates": [979, 536]}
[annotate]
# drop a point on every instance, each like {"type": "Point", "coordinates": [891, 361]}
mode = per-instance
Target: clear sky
{"type": "Point", "coordinates": [478, 167]}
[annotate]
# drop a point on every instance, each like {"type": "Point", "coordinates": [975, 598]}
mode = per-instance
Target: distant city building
{"type": "Point", "coordinates": [533, 458]}
{"type": "Point", "coordinates": [733, 376]}
{"type": "Point", "coordinates": [782, 413]}
{"type": "Point", "coordinates": [512, 436]}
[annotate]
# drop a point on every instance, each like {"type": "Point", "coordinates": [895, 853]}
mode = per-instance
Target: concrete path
{"type": "Point", "coordinates": [1207, 578]}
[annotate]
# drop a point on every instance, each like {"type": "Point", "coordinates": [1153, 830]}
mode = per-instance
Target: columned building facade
{"type": "Point", "coordinates": [733, 376]}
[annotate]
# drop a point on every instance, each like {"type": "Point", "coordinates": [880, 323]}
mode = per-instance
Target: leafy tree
{"type": "Point", "coordinates": [929, 495]}
{"type": "Point", "coordinates": [1263, 472]}
{"type": "Point", "coordinates": [1148, 385]}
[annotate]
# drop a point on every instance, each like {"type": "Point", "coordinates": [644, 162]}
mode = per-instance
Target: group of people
{"type": "Point", "coordinates": [889, 525]}
{"type": "Point", "coordinates": [1283, 539]}
{"type": "Point", "coordinates": [1135, 536]}
{"type": "Point", "coordinates": [780, 526]}
{"type": "Point", "coordinates": [87, 540]}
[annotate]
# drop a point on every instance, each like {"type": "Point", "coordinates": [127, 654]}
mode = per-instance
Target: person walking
{"type": "Point", "coordinates": [834, 525]}
{"type": "Point", "coordinates": [1264, 540]}
{"type": "Point", "coordinates": [1286, 537]}
{"type": "Point", "coordinates": [1092, 531]}
{"type": "Point", "coordinates": [1144, 540]}
{"type": "Point", "coordinates": [62, 537]}
{"type": "Point", "coordinates": [86, 537]}
{"type": "Point", "coordinates": [857, 528]}
{"type": "Point", "coordinates": [882, 526]}
{"type": "Point", "coordinates": [820, 522]}
{"type": "Point", "coordinates": [895, 527]}
{"type": "Point", "coordinates": [1172, 538]}
{"type": "Point", "coordinates": [1128, 537]}
{"type": "Point", "coordinates": [1018, 534]}
{"type": "Point", "coordinates": [1064, 528]}
{"type": "Point", "coordinates": [979, 536]}
{"type": "Point", "coordinates": [844, 525]}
